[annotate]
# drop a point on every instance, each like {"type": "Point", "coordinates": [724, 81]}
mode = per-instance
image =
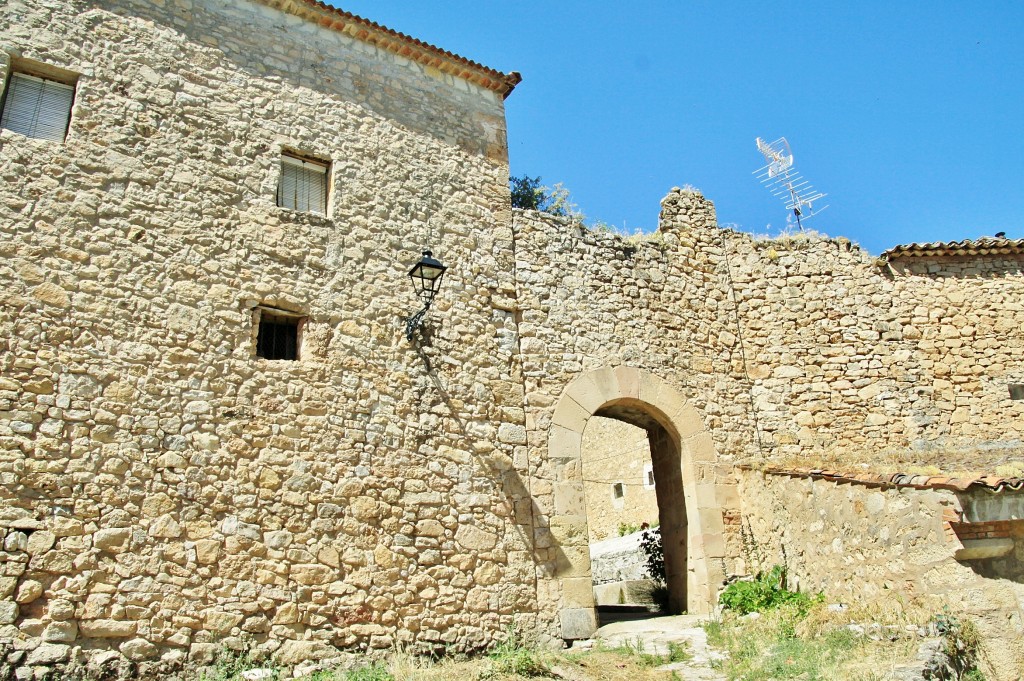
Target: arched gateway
{"type": "Point", "coordinates": [683, 457]}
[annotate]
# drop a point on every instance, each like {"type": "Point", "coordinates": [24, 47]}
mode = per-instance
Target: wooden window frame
{"type": "Point", "coordinates": [297, 169]}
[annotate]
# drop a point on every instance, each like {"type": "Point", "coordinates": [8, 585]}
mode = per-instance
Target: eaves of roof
{"type": "Point", "coordinates": [399, 43]}
{"type": "Point", "coordinates": [989, 483]}
{"type": "Point", "coordinates": [969, 247]}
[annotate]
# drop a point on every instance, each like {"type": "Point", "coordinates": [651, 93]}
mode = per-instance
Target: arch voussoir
{"type": "Point", "coordinates": [660, 401]}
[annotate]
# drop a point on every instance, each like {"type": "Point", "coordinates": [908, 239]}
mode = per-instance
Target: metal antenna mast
{"type": "Point", "coordinates": [785, 182]}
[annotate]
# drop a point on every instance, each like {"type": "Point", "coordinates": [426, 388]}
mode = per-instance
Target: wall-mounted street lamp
{"type": "Point", "coordinates": [426, 278]}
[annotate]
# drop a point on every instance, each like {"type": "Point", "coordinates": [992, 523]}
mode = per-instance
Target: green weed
{"type": "Point", "coordinates": [627, 528]}
{"type": "Point", "coordinates": [230, 665]}
{"type": "Point", "coordinates": [374, 672]}
{"type": "Point", "coordinates": [515, 655]}
{"type": "Point", "coordinates": [677, 652]}
{"type": "Point", "coordinates": [765, 592]}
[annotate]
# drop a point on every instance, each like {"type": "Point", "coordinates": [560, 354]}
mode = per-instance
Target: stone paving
{"type": "Point", "coordinates": [656, 633]}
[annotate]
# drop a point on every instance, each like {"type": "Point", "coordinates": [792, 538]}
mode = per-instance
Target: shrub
{"type": "Point", "coordinates": [767, 591]}
{"type": "Point", "coordinates": [654, 553]}
{"type": "Point", "coordinates": [527, 192]}
{"type": "Point", "coordinates": [374, 672]}
{"type": "Point", "coordinates": [962, 644]}
{"type": "Point", "coordinates": [627, 528]}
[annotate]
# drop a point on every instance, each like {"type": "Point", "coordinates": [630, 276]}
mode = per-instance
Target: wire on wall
{"type": "Point", "coordinates": [742, 344]}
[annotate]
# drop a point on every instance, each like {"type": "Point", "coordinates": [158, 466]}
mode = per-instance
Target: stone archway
{"type": "Point", "coordinates": [684, 458]}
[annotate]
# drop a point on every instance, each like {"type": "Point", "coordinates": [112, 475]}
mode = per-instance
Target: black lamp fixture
{"type": "Point", "coordinates": [426, 278]}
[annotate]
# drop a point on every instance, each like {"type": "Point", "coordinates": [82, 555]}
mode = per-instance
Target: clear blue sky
{"type": "Point", "coordinates": [910, 115]}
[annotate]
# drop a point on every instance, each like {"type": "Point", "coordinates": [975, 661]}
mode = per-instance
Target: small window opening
{"type": "Point", "coordinates": [618, 491]}
{"type": "Point", "coordinates": [37, 107]}
{"type": "Point", "coordinates": [278, 335]}
{"type": "Point", "coordinates": [303, 185]}
{"type": "Point", "coordinates": [1017, 391]}
{"type": "Point", "coordinates": [649, 476]}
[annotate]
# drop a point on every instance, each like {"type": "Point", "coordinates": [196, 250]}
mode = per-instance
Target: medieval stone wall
{"type": "Point", "coordinates": [798, 347]}
{"type": "Point", "coordinates": [846, 354]}
{"type": "Point", "coordinates": [165, 491]}
{"type": "Point", "coordinates": [804, 348]}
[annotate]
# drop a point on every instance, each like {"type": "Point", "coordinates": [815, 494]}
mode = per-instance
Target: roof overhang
{"type": "Point", "coordinates": [406, 46]}
{"type": "Point", "coordinates": [985, 246]}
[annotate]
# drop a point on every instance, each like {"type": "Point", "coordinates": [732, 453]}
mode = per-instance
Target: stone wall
{"type": "Point", "coordinates": [798, 347]}
{"type": "Point", "coordinates": [616, 453]}
{"type": "Point", "coordinates": [801, 348]}
{"type": "Point", "coordinates": [845, 354]}
{"type": "Point", "coordinates": [892, 547]}
{"type": "Point", "coordinates": [166, 492]}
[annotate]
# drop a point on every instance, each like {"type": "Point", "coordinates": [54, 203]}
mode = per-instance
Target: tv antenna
{"type": "Point", "coordinates": [785, 182]}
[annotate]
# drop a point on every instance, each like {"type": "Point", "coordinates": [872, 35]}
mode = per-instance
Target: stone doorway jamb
{"type": "Point", "coordinates": [628, 390]}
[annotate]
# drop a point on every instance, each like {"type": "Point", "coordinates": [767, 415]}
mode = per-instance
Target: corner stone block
{"type": "Point", "coordinates": [564, 443]}
{"type": "Point", "coordinates": [578, 592]}
{"type": "Point", "coordinates": [569, 500]}
{"type": "Point", "coordinates": [569, 414]}
{"type": "Point", "coordinates": [569, 530]}
{"type": "Point", "coordinates": [714, 545]}
{"type": "Point", "coordinates": [577, 623]}
{"type": "Point", "coordinates": [572, 561]}
{"type": "Point", "coordinates": [707, 500]}
{"type": "Point", "coordinates": [729, 496]}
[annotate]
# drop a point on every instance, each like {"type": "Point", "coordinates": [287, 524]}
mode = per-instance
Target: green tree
{"type": "Point", "coordinates": [529, 193]}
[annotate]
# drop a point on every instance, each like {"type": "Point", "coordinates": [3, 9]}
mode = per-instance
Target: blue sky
{"type": "Point", "coordinates": [909, 115]}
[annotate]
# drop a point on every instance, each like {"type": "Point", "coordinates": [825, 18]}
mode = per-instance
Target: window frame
{"type": "Point", "coordinates": [49, 77]}
{"type": "Point", "coordinates": [271, 315]}
{"type": "Point", "coordinates": [649, 480]}
{"type": "Point", "coordinates": [291, 160]}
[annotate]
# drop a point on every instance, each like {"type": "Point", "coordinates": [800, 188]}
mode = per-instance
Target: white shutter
{"type": "Point", "coordinates": [35, 107]}
{"type": "Point", "coordinates": [303, 185]}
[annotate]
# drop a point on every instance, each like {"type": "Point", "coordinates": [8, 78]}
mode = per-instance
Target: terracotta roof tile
{"type": "Point", "coordinates": [404, 45]}
{"type": "Point", "coordinates": [984, 246]}
{"type": "Point", "coordinates": [991, 483]}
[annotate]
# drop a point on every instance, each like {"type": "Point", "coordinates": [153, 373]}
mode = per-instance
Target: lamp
{"type": "Point", "coordinates": [426, 278]}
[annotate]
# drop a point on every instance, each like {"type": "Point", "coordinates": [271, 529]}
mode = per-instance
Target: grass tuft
{"type": "Point", "coordinates": [515, 655]}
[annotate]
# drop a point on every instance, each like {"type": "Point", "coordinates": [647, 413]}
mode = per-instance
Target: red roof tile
{"type": "Point", "coordinates": [991, 483]}
{"type": "Point", "coordinates": [983, 246]}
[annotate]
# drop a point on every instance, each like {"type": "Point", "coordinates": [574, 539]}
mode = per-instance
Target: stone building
{"type": "Point", "coordinates": [618, 479]}
{"type": "Point", "coordinates": [214, 433]}
{"type": "Point", "coordinates": [213, 428]}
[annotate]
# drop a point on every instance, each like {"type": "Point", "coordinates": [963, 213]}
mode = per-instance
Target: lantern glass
{"type": "Point", "coordinates": [426, 277]}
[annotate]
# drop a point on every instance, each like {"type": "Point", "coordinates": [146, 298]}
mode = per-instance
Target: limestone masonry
{"type": "Point", "coordinates": [618, 478]}
{"type": "Point", "coordinates": [249, 174]}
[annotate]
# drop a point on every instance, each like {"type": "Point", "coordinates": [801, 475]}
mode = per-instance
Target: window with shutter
{"type": "Point", "coordinates": [37, 107]}
{"type": "Point", "coordinates": [303, 185]}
